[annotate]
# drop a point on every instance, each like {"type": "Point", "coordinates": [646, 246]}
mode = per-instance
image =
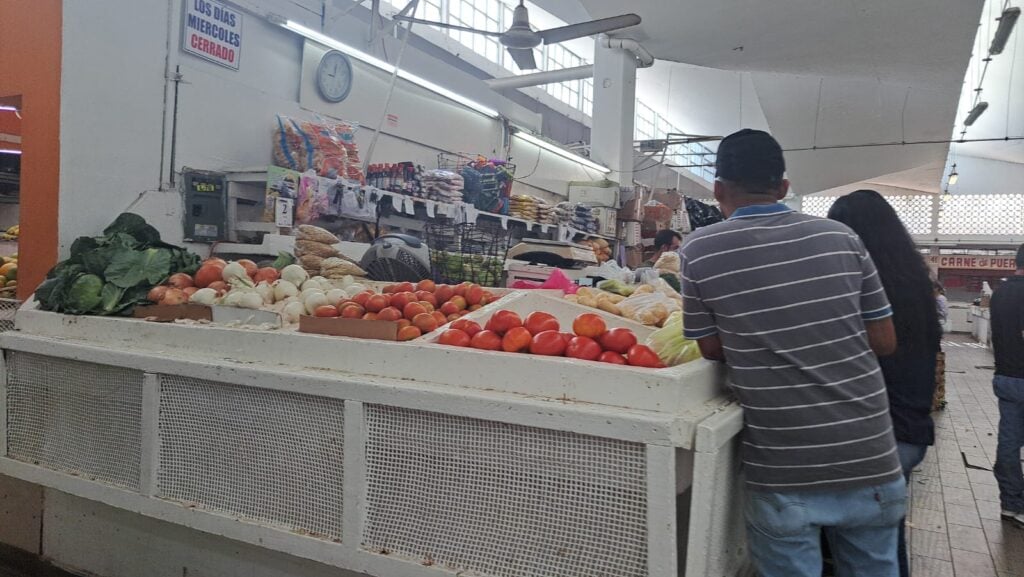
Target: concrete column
{"type": "Point", "coordinates": [611, 136]}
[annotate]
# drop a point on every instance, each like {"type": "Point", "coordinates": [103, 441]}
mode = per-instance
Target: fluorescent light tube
{"type": "Point", "coordinates": [8, 108]}
{"type": "Point", "coordinates": [8, 151]}
{"type": "Point", "coordinates": [1006, 23]}
{"type": "Point", "coordinates": [954, 177]}
{"type": "Point", "coordinates": [386, 67]}
{"type": "Point", "coordinates": [561, 151]}
{"type": "Point", "coordinates": [975, 113]}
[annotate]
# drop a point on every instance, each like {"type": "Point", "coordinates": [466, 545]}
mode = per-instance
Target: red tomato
{"type": "Point", "coordinates": [618, 340]}
{"type": "Point", "coordinates": [427, 296]}
{"type": "Point", "coordinates": [405, 287]}
{"type": "Point", "coordinates": [454, 338]}
{"type": "Point", "coordinates": [567, 337]}
{"type": "Point", "coordinates": [643, 356]}
{"type": "Point", "coordinates": [443, 293]}
{"type": "Point", "coordinates": [326, 311]}
{"type": "Point", "coordinates": [399, 300]}
{"type": "Point", "coordinates": [352, 311]}
{"type": "Point", "coordinates": [408, 333]}
{"type": "Point", "coordinates": [486, 340]}
{"type": "Point", "coordinates": [425, 322]}
{"type": "Point", "coordinates": [584, 348]}
{"type": "Point", "coordinates": [411, 310]}
{"type": "Point", "coordinates": [516, 340]}
{"type": "Point", "coordinates": [589, 325]}
{"type": "Point", "coordinates": [389, 314]}
{"type": "Point", "coordinates": [538, 322]}
{"type": "Point", "coordinates": [473, 294]}
{"type": "Point", "coordinates": [548, 343]}
{"type": "Point", "coordinates": [452, 317]}
{"type": "Point", "coordinates": [440, 318]}
{"type": "Point", "coordinates": [370, 317]}
{"type": "Point", "coordinates": [459, 302]}
{"type": "Point", "coordinates": [426, 285]}
{"type": "Point", "coordinates": [377, 303]}
{"type": "Point", "coordinates": [612, 357]}
{"type": "Point", "coordinates": [504, 321]}
{"type": "Point", "coordinates": [402, 323]}
{"type": "Point", "coordinates": [430, 308]}
{"type": "Point", "coordinates": [362, 297]}
{"type": "Point", "coordinates": [467, 326]}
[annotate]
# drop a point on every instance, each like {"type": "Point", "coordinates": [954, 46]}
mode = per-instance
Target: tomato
{"type": "Point", "coordinates": [430, 308]}
{"type": "Point", "coordinates": [377, 303]}
{"type": "Point", "coordinates": [516, 340]}
{"type": "Point", "coordinates": [643, 356]}
{"type": "Point", "coordinates": [452, 317]}
{"type": "Point", "coordinates": [370, 317]}
{"type": "Point", "coordinates": [402, 323]}
{"type": "Point", "coordinates": [589, 325]}
{"type": "Point", "coordinates": [440, 318]}
{"type": "Point", "coordinates": [209, 273]}
{"type": "Point", "coordinates": [362, 297]}
{"type": "Point", "coordinates": [486, 340]}
{"type": "Point", "coordinates": [389, 289]}
{"type": "Point", "coordinates": [459, 302]}
{"type": "Point", "coordinates": [467, 326]}
{"type": "Point", "coordinates": [326, 311]}
{"type": "Point", "coordinates": [399, 300]}
{"type": "Point", "coordinates": [538, 322]}
{"type": "Point", "coordinates": [426, 285]}
{"type": "Point", "coordinates": [443, 293]}
{"type": "Point", "coordinates": [389, 314]}
{"type": "Point", "coordinates": [548, 343]}
{"type": "Point", "coordinates": [449, 308]}
{"type": "Point", "coordinates": [405, 287]}
{"type": "Point", "coordinates": [473, 294]}
{"type": "Point", "coordinates": [425, 322]}
{"type": "Point", "coordinates": [267, 273]}
{"type": "Point", "coordinates": [352, 311]}
{"type": "Point", "coordinates": [428, 297]}
{"type": "Point", "coordinates": [454, 338]}
{"type": "Point", "coordinates": [412, 309]}
{"type": "Point", "coordinates": [567, 337]}
{"type": "Point", "coordinates": [215, 261]}
{"type": "Point", "coordinates": [612, 357]}
{"type": "Point", "coordinates": [618, 340]}
{"type": "Point", "coordinates": [503, 321]}
{"type": "Point", "coordinates": [474, 308]}
{"type": "Point", "coordinates": [408, 333]}
{"type": "Point", "coordinates": [584, 348]}
{"type": "Point", "coordinates": [460, 289]}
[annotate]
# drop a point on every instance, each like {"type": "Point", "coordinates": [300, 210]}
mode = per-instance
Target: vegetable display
{"type": "Point", "coordinates": [649, 304]}
{"type": "Point", "coordinates": [540, 334]}
{"type": "Point", "coordinates": [110, 274]}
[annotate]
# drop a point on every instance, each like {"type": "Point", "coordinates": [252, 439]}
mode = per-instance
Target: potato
{"type": "Point", "coordinates": [588, 301]}
{"type": "Point", "coordinates": [643, 289]}
{"type": "Point", "coordinates": [572, 298]}
{"type": "Point", "coordinates": [608, 306]}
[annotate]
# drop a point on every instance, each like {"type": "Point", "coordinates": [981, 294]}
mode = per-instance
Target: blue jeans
{"type": "Point", "coordinates": [1010, 392]}
{"type": "Point", "coordinates": [910, 457]}
{"type": "Point", "coordinates": [784, 530]}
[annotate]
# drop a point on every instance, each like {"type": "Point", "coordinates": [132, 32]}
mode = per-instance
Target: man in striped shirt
{"type": "Point", "coordinates": [794, 306]}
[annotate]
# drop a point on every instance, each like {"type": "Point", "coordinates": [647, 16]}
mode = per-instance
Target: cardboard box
{"type": "Point", "coordinates": [356, 328]}
{"type": "Point", "coordinates": [169, 313]}
{"type": "Point", "coordinates": [632, 210]}
{"type": "Point", "coordinates": [669, 197]}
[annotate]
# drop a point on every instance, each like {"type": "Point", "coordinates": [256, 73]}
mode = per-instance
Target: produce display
{"type": "Point", "coordinates": [644, 303]}
{"type": "Point", "coordinates": [11, 233]}
{"type": "Point", "coordinates": [540, 334]}
{"type": "Point", "coordinates": [9, 275]}
{"type": "Point", "coordinates": [602, 250]}
{"type": "Point", "coordinates": [480, 269]}
{"type": "Point", "coordinates": [110, 274]}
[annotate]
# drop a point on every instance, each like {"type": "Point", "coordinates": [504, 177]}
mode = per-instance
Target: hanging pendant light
{"type": "Point", "coordinates": [954, 176]}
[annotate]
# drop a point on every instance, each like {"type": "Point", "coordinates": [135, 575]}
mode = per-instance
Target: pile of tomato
{"type": "Point", "coordinates": [540, 334]}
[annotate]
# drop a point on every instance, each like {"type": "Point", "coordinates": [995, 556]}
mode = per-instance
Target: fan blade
{"type": "Point", "coordinates": [443, 25]}
{"type": "Point", "coordinates": [591, 28]}
{"type": "Point", "coordinates": [524, 58]}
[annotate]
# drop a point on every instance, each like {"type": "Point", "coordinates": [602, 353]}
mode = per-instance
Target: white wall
{"type": "Point", "coordinates": [986, 176]}
{"type": "Point", "coordinates": [117, 115]}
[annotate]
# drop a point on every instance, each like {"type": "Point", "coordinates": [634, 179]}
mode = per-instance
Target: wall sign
{"type": "Point", "coordinates": [212, 31]}
{"type": "Point", "coordinates": [969, 262]}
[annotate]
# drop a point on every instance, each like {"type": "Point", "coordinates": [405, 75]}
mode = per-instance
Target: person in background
{"type": "Point", "coordinates": [1007, 308]}
{"type": "Point", "coordinates": [942, 305]}
{"type": "Point", "coordinates": [910, 372]}
{"type": "Point", "coordinates": [794, 306]}
{"type": "Point", "coordinates": [665, 241]}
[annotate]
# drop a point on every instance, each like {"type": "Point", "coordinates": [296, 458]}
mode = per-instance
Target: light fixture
{"type": "Point", "coordinates": [954, 176]}
{"type": "Point", "coordinates": [1006, 23]}
{"type": "Point", "coordinates": [8, 109]}
{"type": "Point", "coordinates": [9, 151]}
{"type": "Point", "coordinates": [975, 112]}
{"type": "Point", "coordinates": [560, 151]}
{"type": "Point", "coordinates": [386, 67]}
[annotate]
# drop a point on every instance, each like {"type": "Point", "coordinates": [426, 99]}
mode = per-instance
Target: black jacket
{"type": "Point", "coordinates": [1007, 308]}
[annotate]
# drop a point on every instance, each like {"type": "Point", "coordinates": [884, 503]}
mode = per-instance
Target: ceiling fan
{"type": "Point", "coordinates": [521, 39]}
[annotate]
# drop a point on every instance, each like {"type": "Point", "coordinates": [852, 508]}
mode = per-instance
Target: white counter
{"type": "Point", "coordinates": [387, 459]}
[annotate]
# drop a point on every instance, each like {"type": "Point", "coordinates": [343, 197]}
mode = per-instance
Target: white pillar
{"type": "Point", "coordinates": [611, 135]}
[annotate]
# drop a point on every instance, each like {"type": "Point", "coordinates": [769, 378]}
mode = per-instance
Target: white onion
{"type": "Point", "coordinates": [314, 300]}
{"type": "Point", "coordinates": [294, 274]}
{"type": "Point", "coordinates": [292, 311]}
{"type": "Point", "coordinates": [232, 298]}
{"type": "Point", "coordinates": [266, 292]}
{"type": "Point", "coordinates": [334, 296]}
{"type": "Point", "coordinates": [234, 274]}
{"type": "Point", "coordinates": [354, 289]}
{"type": "Point", "coordinates": [204, 296]}
{"type": "Point", "coordinates": [284, 289]}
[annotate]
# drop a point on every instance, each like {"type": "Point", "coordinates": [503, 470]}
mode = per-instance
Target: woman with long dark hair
{"type": "Point", "coordinates": [910, 372]}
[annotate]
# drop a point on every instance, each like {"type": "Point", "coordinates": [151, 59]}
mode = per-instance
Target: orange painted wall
{"type": "Point", "coordinates": [30, 57]}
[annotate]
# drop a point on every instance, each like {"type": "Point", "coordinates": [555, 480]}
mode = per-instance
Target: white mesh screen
{"type": "Point", "coordinates": [74, 416]}
{"type": "Point", "coordinates": [258, 454]}
{"type": "Point", "coordinates": [7, 309]}
{"type": "Point", "coordinates": [817, 205]}
{"type": "Point", "coordinates": [989, 214]}
{"type": "Point", "coordinates": [503, 500]}
{"type": "Point", "coordinates": [914, 211]}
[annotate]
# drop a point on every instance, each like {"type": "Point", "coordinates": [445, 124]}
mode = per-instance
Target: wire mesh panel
{"type": "Point", "coordinates": [914, 211]}
{"type": "Point", "coordinates": [503, 500]}
{"type": "Point", "coordinates": [258, 454]}
{"type": "Point", "coordinates": [988, 214]}
{"type": "Point", "coordinates": [75, 416]}
{"type": "Point", "coordinates": [817, 205]}
{"type": "Point", "coordinates": [8, 307]}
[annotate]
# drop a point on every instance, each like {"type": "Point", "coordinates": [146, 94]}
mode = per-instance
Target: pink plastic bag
{"type": "Point", "coordinates": [557, 281]}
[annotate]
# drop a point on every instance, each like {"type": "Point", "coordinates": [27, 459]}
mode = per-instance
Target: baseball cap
{"type": "Point", "coordinates": [750, 156]}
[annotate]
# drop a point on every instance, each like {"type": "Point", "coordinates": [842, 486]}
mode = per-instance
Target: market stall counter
{"type": "Point", "coordinates": [383, 458]}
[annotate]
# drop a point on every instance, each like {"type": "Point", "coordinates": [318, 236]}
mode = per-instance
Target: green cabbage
{"type": "Point", "coordinates": [670, 344]}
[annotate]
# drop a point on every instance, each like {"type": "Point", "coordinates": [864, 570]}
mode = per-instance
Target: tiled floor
{"type": "Point", "coordinates": [955, 529]}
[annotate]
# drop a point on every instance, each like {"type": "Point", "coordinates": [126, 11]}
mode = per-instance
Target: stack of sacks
{"type": "Point", "coordinates": [523, 206]}
{"type": "Point", "coordinates": [335, 268]}
{"type": "Point", "coordinates": [442, 185]}
{"type": "Point", "coordinates": [312, 245]}
{"type": "Point", "coordinates": [546, 213]}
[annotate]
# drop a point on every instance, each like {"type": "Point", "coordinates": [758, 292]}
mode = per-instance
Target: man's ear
{"type": "Point", "coordinates": [719, 191]}
{"type": "Point", "coordinates": [783, 189]}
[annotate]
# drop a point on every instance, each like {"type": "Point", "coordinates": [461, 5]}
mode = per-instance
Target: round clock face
{"type": "Point", "coordinates": [334, 76]}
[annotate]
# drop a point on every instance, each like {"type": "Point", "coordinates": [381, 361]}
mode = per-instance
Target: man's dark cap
{"type": "Point", "coordinates": [750, 157]}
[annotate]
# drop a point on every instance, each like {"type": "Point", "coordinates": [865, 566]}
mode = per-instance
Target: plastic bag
{"type": "Point", "coordinates": [668, 262]}
{"type": "Point", "coordinates": [670, 345]}
{"type": "Point", "coordinates": [651, 309]}
{"type": "Point", "coordinates": [612, 271]}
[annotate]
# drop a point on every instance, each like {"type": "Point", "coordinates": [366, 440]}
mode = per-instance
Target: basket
{"type": "Point", "coordinates": [487, 185]}
{"type": "Point", "coordinates": [467, 253]}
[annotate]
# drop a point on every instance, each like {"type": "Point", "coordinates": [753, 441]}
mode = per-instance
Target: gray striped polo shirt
{"type": "Point", "coordinates": [788, 295]}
